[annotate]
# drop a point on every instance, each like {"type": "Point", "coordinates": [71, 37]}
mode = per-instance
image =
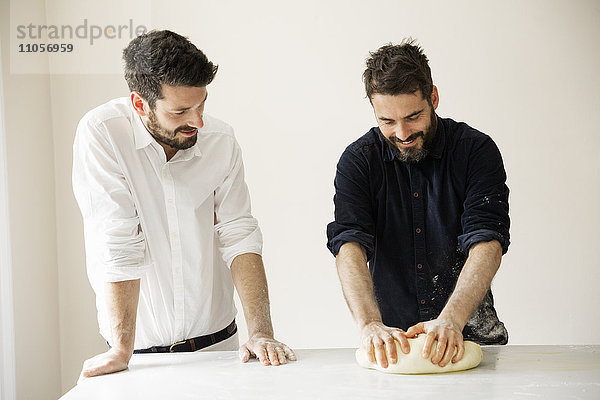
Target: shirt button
{"type": "Point", "coordinates": [416, 194]}
{"type": "Point", "coordinates": [419, 266]}
{"type": "Point", "coordinates": [418, 230]}
{"type": "Point", "coordinates": [422, 301]}
{"type": "Point", "coordinates": [170, 201]}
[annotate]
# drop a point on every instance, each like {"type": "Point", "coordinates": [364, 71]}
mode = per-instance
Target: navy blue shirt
{"type": "Point", "coordinates": [417, 221]}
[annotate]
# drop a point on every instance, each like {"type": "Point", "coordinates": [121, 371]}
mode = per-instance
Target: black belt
{"type": "Point", "coordinates": [193, 344]}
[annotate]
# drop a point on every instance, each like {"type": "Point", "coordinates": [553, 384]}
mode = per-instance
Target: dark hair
{"type": "Point", "coordinates": [164, 57]}
{"type": "Point", "coordinates": [398, 69]}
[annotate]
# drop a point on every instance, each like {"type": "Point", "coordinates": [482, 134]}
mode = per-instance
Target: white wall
{"type": "Point", "coordinates": [32, 208]}
{"type": "Point", "coordinates": [7, 329]}
{"type": "Point", "coordinates": [525, 72]}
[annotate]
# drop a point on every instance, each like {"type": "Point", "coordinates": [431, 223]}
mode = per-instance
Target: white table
{"type": "Point", "coordinates": [506, 372]}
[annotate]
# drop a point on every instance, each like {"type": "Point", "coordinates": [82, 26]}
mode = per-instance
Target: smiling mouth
{"type": "Point", "coordinates": [409, 141]}
{"type": "Point", "coordinates": [190, 132]}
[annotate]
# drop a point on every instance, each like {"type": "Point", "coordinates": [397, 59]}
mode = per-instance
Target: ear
{"type": "Point", "coordinates": [435, 97]}
{"type": "Point", "coordinates": [139, 105]}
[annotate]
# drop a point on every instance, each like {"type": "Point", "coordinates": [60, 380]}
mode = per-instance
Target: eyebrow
{"type": "Point", "coordinates": [414, 114]}
{"type": "Point", "coordinates": [188, 108]}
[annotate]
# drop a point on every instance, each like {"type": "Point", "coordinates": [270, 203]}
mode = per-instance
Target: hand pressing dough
{"type": "Point", "coordinates": [414, 363]}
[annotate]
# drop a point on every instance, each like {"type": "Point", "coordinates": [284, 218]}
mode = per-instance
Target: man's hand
{"type": "Point", "coordinates": [105, 363]}
{"type": "Point", "coordinates": [122, 300]}
{"type": "Point", "coordinates": [378, 342]}
{"type": "Point", "coordinates": [268, 350]}
{"type": "Point", "coordinates": [473, 282]}
{"type": "Point", "coordinates": [449, 338]}
{"type": "Point", "coordinates": [250, 281]}
{"type": "Point", "coordinates": [357, 285]}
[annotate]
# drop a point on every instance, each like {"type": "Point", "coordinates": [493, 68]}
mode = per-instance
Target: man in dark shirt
{"type": "Point", "coordinates": [423, 201]}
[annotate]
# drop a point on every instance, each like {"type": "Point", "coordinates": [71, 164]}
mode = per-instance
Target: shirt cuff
{"type": "Point", "coordinates": [467, 240]}
{"type": "Point", "coordinates": [250, 244]}
{"type": "Point", "coordinates": [352, 235]}
{"type": "Point", "coordinates": [120, 274]}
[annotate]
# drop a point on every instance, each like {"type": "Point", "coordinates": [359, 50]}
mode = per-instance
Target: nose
{"type": "Point", "coordinates": [197, 119]}
{"type": "Point", "coordinates": [402, 131]}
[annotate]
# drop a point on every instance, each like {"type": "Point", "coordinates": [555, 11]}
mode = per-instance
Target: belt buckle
{"type": "Point", "coordinates": [231, 328]}
{"type": "Point", "coordinates": [175, 344]}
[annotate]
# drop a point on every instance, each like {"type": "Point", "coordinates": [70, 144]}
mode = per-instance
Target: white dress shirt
{"type": "Point", "coordinates": [175, 224]}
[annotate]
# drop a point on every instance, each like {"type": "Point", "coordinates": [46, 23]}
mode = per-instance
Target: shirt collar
{"type": "Point", "coordinates": [439, 141]}
{"type": "Point", "coordinates": [188, 154]}
{"type": "Point", "coordinates": [437, 147]}
{"type": "Point", "coordinates": [143, 139]}
{"type": "Point", "coordinates": [140, 133]}
{"type": "Point", "coordinates": [388, 154]}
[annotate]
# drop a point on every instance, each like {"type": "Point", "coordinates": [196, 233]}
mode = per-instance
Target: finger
{"type": "Point", "coordinates": [401, 338]}
{"type": "Point", "coordinates": [93, 367]}
{"type": "Point", "coordinates": [429, 341]}
{"type": "Point", "coordinates": [281, 355]}
{"type": "Point", "coordinates": [95, 371]}
{"type": "Point", "coordinates": [272, 353]}
{"type": "Point", "coordinates": [380, 352]}
{"type": "Point", "coordinates": [106, 366]}
{"type": "Point", "coordinates": [460, 352]}
{"type": "Point", "coordinates": [369, 349]}
{"type": "Point", "coordinates": [439, 351]}
{"type": "Point", "coordinates": [450, 350]}
{"type": "Point", "coordinates": [390, 347]}
{"type": "Point", "coordinates": [87, 365]}
{"type": "Point", "coordinates": [416, 330]}
{"type": "Point", "coordinates": [261, 354]}
{"type": "Point", "coordinates": [289, 353]}
{"type": "Point", "coordinates": [244, 353]}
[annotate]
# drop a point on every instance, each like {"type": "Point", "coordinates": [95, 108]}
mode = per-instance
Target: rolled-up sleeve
{"type": "Point", "coordinates": [236, 228]}
{"type": "Point", "coordinates": [354, 221]}
{"type": "Point", "coordinates": [115, 244]}
{"type": "Point", "coordinates": [485, 215]}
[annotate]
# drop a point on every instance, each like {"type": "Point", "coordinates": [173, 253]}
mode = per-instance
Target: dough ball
{"type": "Point", "coordinates": [414, 363]}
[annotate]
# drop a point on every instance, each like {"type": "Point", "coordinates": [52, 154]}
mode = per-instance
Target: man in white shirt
{"type": "Point", "coordinates": [166, 211]}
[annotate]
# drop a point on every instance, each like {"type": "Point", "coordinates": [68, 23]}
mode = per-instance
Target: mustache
{"type": "Point", "coordinates": [408, 139]}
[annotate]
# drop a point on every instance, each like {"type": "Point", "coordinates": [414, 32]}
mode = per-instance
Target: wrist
{"type": "Point", "coordinates": [124, 353]}
{"type": "Point", "coordinates": [363, 323]}
{"type": "Point", "coordinates": [261, 335]}
{"type": "Point", "coordinates": [261, 331]}
{"type": "Point", "coordinates": [447, 320]}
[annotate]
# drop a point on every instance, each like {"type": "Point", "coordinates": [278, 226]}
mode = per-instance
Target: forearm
{"type": "Point", "coordinates": [357, 285]}
{"type": "Point", "coordinates": [473, 283]}
{"type": "Point", "coordinates": [248, 273]}
{"type": "Point", "coordinates": [122, 301]}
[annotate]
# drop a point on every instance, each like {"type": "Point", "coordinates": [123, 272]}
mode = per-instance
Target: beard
{"type": "Point", "coordinates": [414, 154]}
{"type": "Point", "coordinates": [168, 137]}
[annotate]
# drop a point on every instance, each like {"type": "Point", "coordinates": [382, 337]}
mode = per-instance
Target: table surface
{"type": "Point", "coordinates": [506, 372]}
